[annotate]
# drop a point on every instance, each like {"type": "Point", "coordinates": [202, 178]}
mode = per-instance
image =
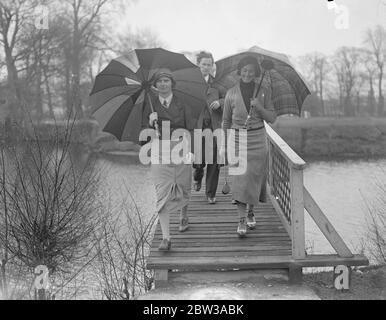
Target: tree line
{"type": "Point", "coordinates": [49, 72]}
{"type": "Point", "coordinates": [350, 81]}
{"type": "Point", "coordinates": [52, 70]}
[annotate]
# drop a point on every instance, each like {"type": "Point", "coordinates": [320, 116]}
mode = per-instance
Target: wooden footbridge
{"type": "Point", "coordinates": [277, 242]}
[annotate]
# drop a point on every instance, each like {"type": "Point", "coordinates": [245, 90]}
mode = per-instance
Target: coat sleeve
{"type": "Point", "coordinates": [145, 121]}
{"type": "Point", "coordinates": [190, 124]}
{"type": "Point", "coordinates": [222, 94]}
{"type": "Point", "coordinates": [145, 115]}
{"type": "Point", "coordinates": [227, 114]}
{"type": "Point", "coordinates": [268, 103]}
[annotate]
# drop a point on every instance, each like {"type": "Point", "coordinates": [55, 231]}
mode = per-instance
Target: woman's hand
{"type": "Point", "coordinates": [189, 158]}
{"type": "Point", "coordinates": [215, 105]}
{"type": "Point", "coordinates": [153, 117]}
{"type": "Point", "coordinates": [255, 103]}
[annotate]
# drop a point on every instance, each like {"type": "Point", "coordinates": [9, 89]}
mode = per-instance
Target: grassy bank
{"type": "Point", "coordinates": [334, 137]}
{"type": "Point", "coordinates": [313, 138]}
{"type": "Point", "coordinates": [366, 284]}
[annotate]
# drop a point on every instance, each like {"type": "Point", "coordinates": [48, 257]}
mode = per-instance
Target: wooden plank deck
{"type": "Point", "coordinates": [211, 242]}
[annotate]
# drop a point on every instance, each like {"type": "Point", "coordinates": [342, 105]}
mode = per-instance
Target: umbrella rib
{"type": "Point", "coordinates": [109, 88]}
{"type": "Point", "coordinates": [290, 82]}
{"type": "Point", "coordinates": [292, 85]}
{"type": "Point", "coordinates": [129, 96]}
{"type": "Point", "coordinates": [113, 75]}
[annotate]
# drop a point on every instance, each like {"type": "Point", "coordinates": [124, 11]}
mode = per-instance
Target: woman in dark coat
{"type": "Point", "coordinates": [172, 181]}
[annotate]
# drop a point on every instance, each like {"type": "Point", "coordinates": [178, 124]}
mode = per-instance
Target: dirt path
{"type": "Point", "coordinates": [236, 285]}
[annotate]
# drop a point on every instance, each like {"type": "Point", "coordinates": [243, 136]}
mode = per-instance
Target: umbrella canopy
{"type": "Point", "coordinates": [123, 87]}
{"type": "Point", "coordinates": [289, 90]}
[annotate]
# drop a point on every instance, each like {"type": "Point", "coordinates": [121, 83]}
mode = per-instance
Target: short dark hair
{"type": "Point", "coordinates": [202, 55]}
{"type": "Point", "coordinates": [246, 61]}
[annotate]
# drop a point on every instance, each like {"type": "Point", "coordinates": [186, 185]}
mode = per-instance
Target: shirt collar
{"type": "Point", "coordinates": [207, 78]}
{"type": "Point", "coordinates": [167, 99]}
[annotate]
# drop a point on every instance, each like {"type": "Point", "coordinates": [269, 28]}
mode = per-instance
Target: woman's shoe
{"type": "Point", "coordinates": [165, 245]}
{"type": "Point", "coordinates": [184, 224]}
{"type": "Point", "coordinates": [242, 228]}
{"type": "Point", "coordinates": [251, 221]}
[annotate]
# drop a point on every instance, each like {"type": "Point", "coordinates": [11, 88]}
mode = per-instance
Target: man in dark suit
{"type": "Point", "coordinates": [210, 118]}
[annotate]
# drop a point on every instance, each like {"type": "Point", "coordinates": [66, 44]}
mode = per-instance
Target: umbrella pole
{"type": "Point", "coordinates": [257, 93]}
{"type": "Point", "coordinates": [152, 110]}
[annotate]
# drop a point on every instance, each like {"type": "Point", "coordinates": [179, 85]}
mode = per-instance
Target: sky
{"type": "Point", "coordinates": [224, 27]}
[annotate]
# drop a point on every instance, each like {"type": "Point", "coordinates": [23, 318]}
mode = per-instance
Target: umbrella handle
{"type": "Point", "coordinates": [257, 93]}
{"type": "Point", "coordinates": [156, 127]}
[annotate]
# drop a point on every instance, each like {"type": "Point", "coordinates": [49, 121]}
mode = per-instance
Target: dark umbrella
{"type": "Point", "coordinates": [289, 90]}
{"type": "Point", "coordinates": [124, 86]}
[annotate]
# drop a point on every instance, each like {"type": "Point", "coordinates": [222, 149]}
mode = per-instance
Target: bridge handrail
{"type": "Point", "coordinates": [290, 198]}
{"type": "Point", "coordinates": [290, 155]}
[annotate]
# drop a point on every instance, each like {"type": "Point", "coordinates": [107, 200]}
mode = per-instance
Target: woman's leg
{"type": "Point", "coordinates": [242, 210]}
{"type": "Point", "coordinates": [242, 227]}
{"type": "Point", "coordinates": [251, 221]}
{"type": "Point", "coordinates": [164, 219]}
{"type": "Point", "coordinates": [184, 212]}
{"type": "Point", "coordinates": [184, 221]}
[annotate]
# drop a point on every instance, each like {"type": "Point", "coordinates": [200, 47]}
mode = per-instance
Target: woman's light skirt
{"type": "Point", "coordinates": [173, 183]}
{"type": "Point", "coordinates": [250, 187]}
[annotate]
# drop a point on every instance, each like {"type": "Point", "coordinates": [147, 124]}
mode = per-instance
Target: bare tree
{"type": "Point", "coordinates": [15, 19]}
{"type": "Point", "coordinates": [347, 61]}
{"type": "Point", "coordinates": [120, 267]}
{"type": "Point", "coordinates": [85, 19]}
{"type": "Point", "coordinates": [370, 68]}
{"type": "Point", "coordinates": [138, 39]}
{"type": "Point", "coordinates": [359, 84]}
{"type": "Point", "coordinates": [376, 40]}
{"type": "Point", "coordinates": [316, 69]}
{"type": "Point", "coordinates": [376, 223]}
{"type": "Point", "coordinates": [48, 204]}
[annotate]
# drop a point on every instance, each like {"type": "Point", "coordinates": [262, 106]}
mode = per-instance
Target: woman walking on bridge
{"type": "Point", "coordinates": [243, 110]}
{"type": "Point", "coordinates": [172, 181]}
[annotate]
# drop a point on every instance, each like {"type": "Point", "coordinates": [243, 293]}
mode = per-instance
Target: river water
{"type": "Point", "coordinates": [345, 191]}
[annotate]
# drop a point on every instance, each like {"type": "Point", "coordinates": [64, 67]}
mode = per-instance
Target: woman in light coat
{"type": "Point", "coordinates": [248, 188]}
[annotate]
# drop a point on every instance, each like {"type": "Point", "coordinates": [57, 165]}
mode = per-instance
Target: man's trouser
{"type": "Point", "coordinates": [212, 170]}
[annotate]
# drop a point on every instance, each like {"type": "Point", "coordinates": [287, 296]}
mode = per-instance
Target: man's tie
{"type": "Point", "coordinates": [165, 104]}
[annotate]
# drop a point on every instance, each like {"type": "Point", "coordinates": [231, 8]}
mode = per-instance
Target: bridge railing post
{"type": "Point", "coordinates": [285, 180]}
{"type": "Point", "coordinates": [297, 213]}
